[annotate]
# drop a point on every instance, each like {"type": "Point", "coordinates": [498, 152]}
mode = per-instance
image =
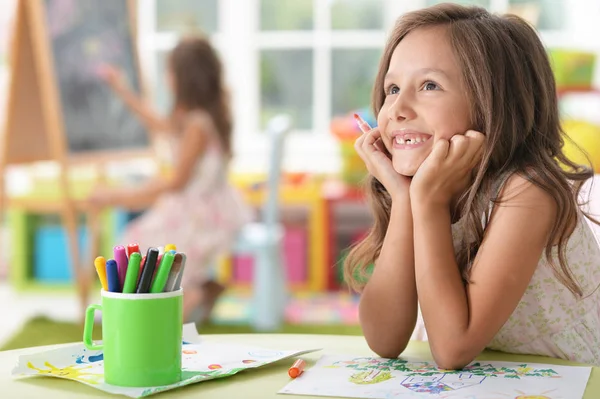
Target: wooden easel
{"type": "Point", "coordinates": [34, 131]}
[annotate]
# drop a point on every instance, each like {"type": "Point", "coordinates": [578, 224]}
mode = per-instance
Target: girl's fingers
{"type": "Point", "coordinates": [370, 139]}
{"type": "Point", "coordinates": [440, 150]}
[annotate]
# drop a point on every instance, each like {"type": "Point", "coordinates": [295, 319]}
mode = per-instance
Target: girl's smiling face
{"type": "Point", "coordinates": [425, 99]}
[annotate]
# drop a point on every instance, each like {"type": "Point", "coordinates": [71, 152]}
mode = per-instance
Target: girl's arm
{"type": "Point", "coordinates": [388, 304]}
{"type": "Point", "coordinates": [192, 147]}
{"type": "Point", "coordinates": [461, 321]}
{"type": "Point", "coordinates": [151, 120]}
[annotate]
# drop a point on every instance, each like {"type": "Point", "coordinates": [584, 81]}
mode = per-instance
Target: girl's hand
{"type": "Point", "coordinates": [101, 198]}
{"type": "Point", "coordinates": [378, 160]}
{"type": "Point", "coordinates": [446, 172]}
{"type": "Point", "coordinates": [113, 76]}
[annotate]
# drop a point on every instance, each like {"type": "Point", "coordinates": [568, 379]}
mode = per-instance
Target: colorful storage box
{"type": "Point", "coordinates": [52, 262]}
{"type": "Point", "coordinates": [572, 69]}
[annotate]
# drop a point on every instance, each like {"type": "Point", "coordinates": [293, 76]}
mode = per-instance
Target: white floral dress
{"type": "Point", "coordinates": [549, 320]}
{"type": "Point", "coordinates": [202, 220]}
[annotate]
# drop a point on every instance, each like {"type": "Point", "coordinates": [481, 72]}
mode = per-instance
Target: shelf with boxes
{"type": "Point", "coordinates": [39, 255]}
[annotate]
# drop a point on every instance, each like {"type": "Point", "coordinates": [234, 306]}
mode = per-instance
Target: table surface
{"type": "Point", "coordinates": [262, 383]}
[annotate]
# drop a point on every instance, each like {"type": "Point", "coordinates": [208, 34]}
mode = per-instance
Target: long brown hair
{"type": "Point", "coordinates": [511, 89]}
{"type": "Point", "coordinates": [199, 84]}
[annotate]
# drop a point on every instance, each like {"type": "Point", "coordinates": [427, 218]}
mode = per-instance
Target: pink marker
{"type": "Point", "coordinates": [121, 259]}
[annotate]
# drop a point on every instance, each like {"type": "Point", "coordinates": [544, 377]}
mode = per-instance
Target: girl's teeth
{"type": "Point", "coordinates": [413, 141]}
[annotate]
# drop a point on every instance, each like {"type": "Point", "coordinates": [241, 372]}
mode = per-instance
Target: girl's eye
{"type": "Point", "coordinates": [430, 86]}
{"type": "Point", "coordinates": [393, 89]}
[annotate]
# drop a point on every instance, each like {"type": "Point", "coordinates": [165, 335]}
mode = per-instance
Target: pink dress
{"type": "Point", "coordinates": [202, 220]}
{"type": "Point", "coordinates": [549, 320]}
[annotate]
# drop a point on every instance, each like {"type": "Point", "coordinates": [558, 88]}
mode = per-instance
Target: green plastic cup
{"type": "Point", "coordinates": [141, 337]}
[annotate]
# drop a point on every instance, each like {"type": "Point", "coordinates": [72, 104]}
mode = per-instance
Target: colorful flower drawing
{"type": "Point", "coordinates": [370, 377]}
{"type": "Point", "coordinates": [71, 372]}
{"type": "Point", "coordinates": [441, 382]}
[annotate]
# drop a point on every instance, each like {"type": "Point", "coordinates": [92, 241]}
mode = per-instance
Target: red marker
{"type": "Point", "coordinates": [131, 248]}
{"type": "Point", "coordinates": [297, 368]}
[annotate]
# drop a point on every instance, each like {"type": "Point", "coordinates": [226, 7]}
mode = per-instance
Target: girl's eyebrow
{"type": "Point", "coordinates": [423, 71]}
{"type": "Point", "coordinates": [432, 70]}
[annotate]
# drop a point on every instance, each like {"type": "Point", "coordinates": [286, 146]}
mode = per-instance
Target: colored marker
{"type": "Point", "coordinates": [142, 263]}
{"type": "Point", "coordinates": [174, 273]}
{"type": "Point", "coordinates": [146, 278]}
{"type": "Point", "coordinates": [121, 259]}
{"type": "Point", "coordinates": [100, 265]}
{"type": "Point", "coordinates": [363, 126]}
{"type": "Point", "coordinates": [133, 269]}
{"type": "Point", "coordinates": [297, 368]}
{"type": "Point", "coordinates": [180, 275]}
{"type": "Point", "coordinates": [170, 247]}
{"type": "Point", "coordinates": [112, 276]}
{"type": "Point", "coordinates": [131, 248]}
{"type": "Point", "coordinates": [163, 273]}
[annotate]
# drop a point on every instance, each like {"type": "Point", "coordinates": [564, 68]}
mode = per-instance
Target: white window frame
{"type": "Point", "coordinates": [240, 40]}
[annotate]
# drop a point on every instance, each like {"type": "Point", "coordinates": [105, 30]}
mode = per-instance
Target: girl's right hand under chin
{"type": "Point", "coordinates": [373, 152]}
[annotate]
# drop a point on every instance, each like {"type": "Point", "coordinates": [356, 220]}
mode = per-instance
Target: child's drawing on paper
{"type": "Point", "coordinates": [364, 377]}
{"type": "Point", "coordinates": [370, 377]}
{"type": "Point", "coordinates": [199, 362]}
{"type": "Point", "coordinates": [70, 372]}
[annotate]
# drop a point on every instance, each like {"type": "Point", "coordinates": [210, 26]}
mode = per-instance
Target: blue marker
{"type": "Point", "coordinates": [112, 276]}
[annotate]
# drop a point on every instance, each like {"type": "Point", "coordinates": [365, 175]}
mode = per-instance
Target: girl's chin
{"type": "Point", "coordinates": [408, 169]}
{"type": "Point", "coordinates": [405, 171]}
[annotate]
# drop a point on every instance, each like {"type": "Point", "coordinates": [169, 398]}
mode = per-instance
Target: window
{"type": "Point", "coordinates": [314, 59]}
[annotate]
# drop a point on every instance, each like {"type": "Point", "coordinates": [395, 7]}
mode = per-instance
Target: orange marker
{"type": "Point", "coordinates": [100, 265]}
{"type": "Point", "coordinates": [297, 368]}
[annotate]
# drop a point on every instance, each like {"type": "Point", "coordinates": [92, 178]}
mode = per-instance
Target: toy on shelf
{"type": "Point", "coordinates": [344, 128]}
{"type": "Point", "coordinates": [572, 69]}
{"type": "Point", "coordinates": [584, 139]}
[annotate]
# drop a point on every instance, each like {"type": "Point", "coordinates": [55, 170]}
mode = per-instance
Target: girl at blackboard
{"type": "Point", "coordinates": [477, 220]}
{"type": "Point", "coordinates": [194, 208]}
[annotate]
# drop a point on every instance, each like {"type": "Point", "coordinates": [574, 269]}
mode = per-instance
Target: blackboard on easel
{"type": "Point", "coordinates": [59, 110]}
{"type": "Point", "coordinates": [83, 35]}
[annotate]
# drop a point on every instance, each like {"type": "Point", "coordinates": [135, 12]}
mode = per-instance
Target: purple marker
{"type": "Point", "coordinates": [121, 259]}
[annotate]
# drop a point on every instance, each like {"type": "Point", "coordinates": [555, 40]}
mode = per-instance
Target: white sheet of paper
{"type": "Point", "coordinates": [368, 377]}
{"type": "Point", "coordinates": [199, 362]}
{"type": "Point", "coordinates": [190, 333]}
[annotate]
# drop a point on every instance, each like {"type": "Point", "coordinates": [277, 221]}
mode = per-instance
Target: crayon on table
{"type": "Point", "coordinates": [146, 278]}
{"type": "Point", "coordinates": [133, 269]}
{"type": "Point", "coordinates": [121, 259]}
{"type": "Point", "coordinates": [170, 247]}
{"type": "Point", "coordinates": [112, 276]}
{"type": "Point", "coordinates": [297, 368]}
{"type": "Point", "coordinates": [131, 248]}
{"type": "Point", "coordinates": [163, 273]}
{"type": "Point", "coordinates": [100, 265]}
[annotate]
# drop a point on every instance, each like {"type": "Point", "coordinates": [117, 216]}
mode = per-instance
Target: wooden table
{"type": "Point", "coordinates": [260, 383]}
